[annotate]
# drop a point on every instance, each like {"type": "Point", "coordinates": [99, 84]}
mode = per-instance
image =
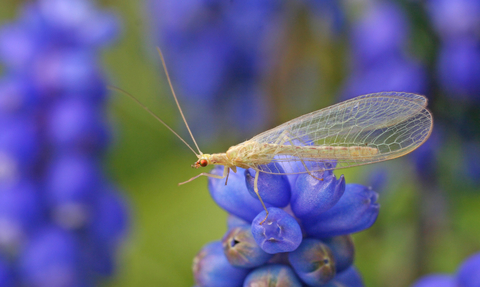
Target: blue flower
{"type": "Point", "coordinates": [343, 250]}
{"type": "Point", "coordinates": [280, 232]}
{"type": "Point", "coordinates": [274, 189]}
{"type": "Point", "coordinates": [75, 124]}
{"type": "Point", "coordinates": [311, 197]}
{"type": "Point", "coordinates": [19, 147]}
{"type": "Point", "coordinates": [61, 221]}
{"type": "Point", "coordinates": [309, 233]}
{"type": "Point", "coordinates": [211, 268]}
{"type": "Point", "coordinates": [381, 32]}
{"type": "Point", "coordinates": [455, 18]}
{"type": "Point", "coordinates": [393, 73]}
{"type": "Point", "coordinates": [380, 61]}
{"type": "Point", "coordinates": [52, 258]}
{"type": "Point", "coordinates": [219, 53]}
{"type": "Point", "coordinates": [241, 248]}
{"type": "Point", "coordinates": [313, 261]}
{"type": "Point", "coordinates": [234, 197]}
{"type": "Point", "coordinates": [436, 280]}
{"type": "Point", "coordinates": [356, 210]}
{"type": "Point", "coordinates": [467, 275]}
{"type": "Point", "coordinates": [21, 212]}
{"type": "Point", "coordinates": [458, 69]}
{"type": "Point", "coordinates": [273, 274]}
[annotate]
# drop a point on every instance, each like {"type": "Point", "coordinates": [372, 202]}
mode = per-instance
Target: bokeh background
{"type": "Point", "coordinates": [241, 67]}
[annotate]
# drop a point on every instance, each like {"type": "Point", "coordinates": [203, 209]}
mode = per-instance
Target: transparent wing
{"type": "Point", "coordinates": [382, 126]}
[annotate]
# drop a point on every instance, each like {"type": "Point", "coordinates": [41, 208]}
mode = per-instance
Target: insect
{"type": "Point", "coordinates": [364, 130]}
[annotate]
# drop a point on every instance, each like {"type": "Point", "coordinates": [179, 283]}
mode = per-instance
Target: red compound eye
{"type": "Point", "coordinates": [203, 162]}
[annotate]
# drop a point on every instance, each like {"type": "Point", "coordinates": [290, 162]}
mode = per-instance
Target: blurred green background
{"type": "Point", "coordinates": [170, 224]}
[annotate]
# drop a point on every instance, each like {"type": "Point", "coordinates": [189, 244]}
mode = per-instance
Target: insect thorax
{"type": "Point", "coordinates": [245, 154]}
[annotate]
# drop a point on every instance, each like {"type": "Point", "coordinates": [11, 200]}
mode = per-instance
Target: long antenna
{"type": "Point", "coordinates": [151, 113]}
{"type": "Point", "coordinates": [175, 97]}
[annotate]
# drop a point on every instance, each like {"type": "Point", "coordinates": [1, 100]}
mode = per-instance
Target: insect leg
{"type": "Point", "coordinates": [301, 160]}
{"type": "Point", "coordinates": [255, 188]}
{"type": "Point", "coordinates": [228, 173]}
{"type": "Point", "coordinates": [225, 173]}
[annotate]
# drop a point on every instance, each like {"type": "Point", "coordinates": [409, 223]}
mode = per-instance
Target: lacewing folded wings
{"type": "Point", "coordinates": [366, 129]}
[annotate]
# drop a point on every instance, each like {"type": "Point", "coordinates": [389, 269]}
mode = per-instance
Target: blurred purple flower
{"type": "Point", "coordinates": [219, 53]}
{"type": "Point", "coordinates": [455, 18]}
{"type": "Point", "coordinates": [381, 32]}
{"type": "Point", "coordinates": [380, 62]}
{"type": "Point", "coordinates": [458, 69]}
{"type": "Point", "coordinates": [467, 275]}
{"type": "Point", "coordinates": [61, 223]}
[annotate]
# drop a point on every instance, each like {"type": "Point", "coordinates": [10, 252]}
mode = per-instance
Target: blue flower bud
{"type": "Point", "coordinates": [51, 134]}
{"type": "Point", "coordinates": [454, 19]}
{"type": "Point", "coordinates": [273, 188]}
{"type": "Point", "coordinates": [16, 97]}
{"type": "Point", "coordinates": [275, 275]}
{"type": "Point", "coordinates": [279, 233]}
{"type": "Point", "coordinates": [212, 269]}
{"type": "Point", "coordinates": [233, 221]}
{"type": "Point", "coordinates": [17, 46]}
{"type": "Point", "coordinates": [468, 275]}
{"type": "Point", "coordinates": [76, 125]}
{"type": "Point", "coordinates": [241, 249]}
{"type": "Point", "coordinates": [459, 69]}
{"type": "Point", "coordinates": [71, 185]}
{"type": "Point", "coordinates": [311, 196]}
{"type": "Point", "coordinates": [51, 258]}
{"type": "Point", "coordinates": [69, 71]}
{"type": "Point", "coordinates": [87, 27]}
{"type": "Point", "coordinates": [313, 262]}
{"type": "Point", "coordinates": [343, 251]}
{"type": "Point", "coordinates": [296, 168]}
{"type": "Point", "coordinates": [355, 211]}
{"type": "Point", "coordinates": [350, 277]}
{"type": "Point", "coordinates": [382, 30]}
{"type": "Point", "coordinates": [234, 197]}
{"type": "Point", "coordinates": [20, 212]}
{"type": "Point", "coordinates": [436, 280]}
{"type": "Point", "coordinates": [19, 147]}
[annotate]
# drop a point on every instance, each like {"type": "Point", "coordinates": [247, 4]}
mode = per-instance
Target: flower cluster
{"type": "Point", "coordinates": [457, 70]}
{"type": "Point", "coordinates": [380, 62]}
{"type": "Point", "coordinates": [222, 54]}
{"type": "Point", "coordinates": [61, 220]}
{"type": "Point", "coordinates": [458, 26]}
{"type": "Point", "coordinates": [468, 275]}
{"type": "Point", "coordinates": [305, 238]}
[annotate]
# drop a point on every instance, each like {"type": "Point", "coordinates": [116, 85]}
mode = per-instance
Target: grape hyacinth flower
{"type": "Point", "coordinates": [467, 275]}
{"type": "Point", "coordinates": [458, 68]}
{"type": "Point", "coordinates": [222, 54]}
{"type": "Point", "coordinates": [305, 241]}
{"type": "Point", "coordinates": [61, 220]}
{"type": "Point", "coordinates": [380, 61]}
{"type": "Point", "coordinates": [219, 54]}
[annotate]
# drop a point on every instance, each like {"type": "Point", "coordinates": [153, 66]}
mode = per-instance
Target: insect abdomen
{"type": "Point", "coordinates": [325, 152]}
